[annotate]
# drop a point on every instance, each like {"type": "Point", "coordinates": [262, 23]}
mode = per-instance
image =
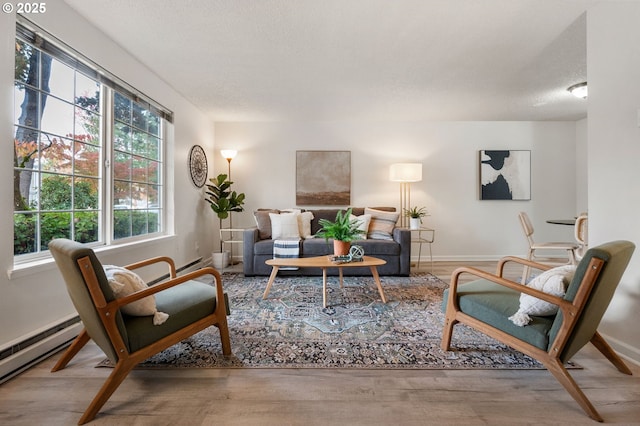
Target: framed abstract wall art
{"type": "Point", "coordinates": [505, 175]}
{"type": "Point", "coordinates": [323, 178]}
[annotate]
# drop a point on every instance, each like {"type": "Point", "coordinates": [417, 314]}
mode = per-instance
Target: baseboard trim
{"type": "Point", "coordinates": [461, 258]}
{"type": "Point", "coordinates": [23, 359]}
{"type": "Point", "coordinates": [21, 355]}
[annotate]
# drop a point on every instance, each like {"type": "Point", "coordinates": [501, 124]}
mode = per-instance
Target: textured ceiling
{"type": "Point", "coordinates": [382, 60]}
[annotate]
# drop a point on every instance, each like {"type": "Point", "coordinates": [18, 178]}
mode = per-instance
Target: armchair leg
{"type": "Point", "coordinates": [119, 373]}
{"type": "Point", "coordinates": [79, 342]}
{"type": "Point", "coordinates": [224, 337]}
{"type": "Point", "coordinates": [561, 374]}
{"type": "Point", "coordinates": [447, 333]}
{"type": "Point", "coordinates": [606, 350]}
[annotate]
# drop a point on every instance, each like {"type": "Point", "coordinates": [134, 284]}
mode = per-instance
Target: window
{"type": "Point", "coordinates": [136, 169]}
{"type": "Point", "coordinates": [88, 152]}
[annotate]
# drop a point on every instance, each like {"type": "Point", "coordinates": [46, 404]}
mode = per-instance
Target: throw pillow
{"type": "Point", "coordinates": [304, 224]}
{"type": "Point", "coordinates": [382, 224]}
{"type": "Point", "coordinates": [124, 282]}
{"type": "Point", "coordinates": [263, 222]}
{"type": "Point", "coordinates": [284, 226]}
{"type": "Point", "coordinates": [553, 281]}
{"type": "Point", "coordinates": [291, 211]}
{"type": "Point", "coordinates": [363, 224]}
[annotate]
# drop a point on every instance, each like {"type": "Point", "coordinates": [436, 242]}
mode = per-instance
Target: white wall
{"type": "Point", "coordinates": [582, 170]}
{"type": "Point", "coordinates": [466, 228]}
{"type": "Point", "coordinates": [34, 299]}
{"type": "Point", "coordinates": [613, 64]}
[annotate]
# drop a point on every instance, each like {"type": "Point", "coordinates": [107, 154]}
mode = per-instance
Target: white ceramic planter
{"type": "Point", "coordinates": [414, 223]}
{"type": "Point", "coordinates": [220, 260]}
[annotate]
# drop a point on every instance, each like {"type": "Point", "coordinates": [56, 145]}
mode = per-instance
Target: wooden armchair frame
{"type": "Point", "coordinates": [109, 312]}
{"type": "Point", "coordinates": [571, 312]}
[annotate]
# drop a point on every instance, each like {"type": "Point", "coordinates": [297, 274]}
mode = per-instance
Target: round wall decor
{"type": "Point", "coordinates": [198, 166]}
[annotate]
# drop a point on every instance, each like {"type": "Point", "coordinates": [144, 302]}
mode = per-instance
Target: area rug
{"type": "Point", "coordinates": [356, 330]}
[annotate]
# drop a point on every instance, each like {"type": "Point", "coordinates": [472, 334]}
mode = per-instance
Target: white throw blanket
{"type": "Point", "coordinates": [286, 249]}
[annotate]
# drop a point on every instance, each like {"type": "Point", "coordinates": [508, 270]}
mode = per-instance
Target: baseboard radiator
{"type": "Point", "coordinates": [19, 356]}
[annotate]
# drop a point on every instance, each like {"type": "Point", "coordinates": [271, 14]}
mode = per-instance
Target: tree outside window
{"type": "Point", "coordinates": [59, 150]}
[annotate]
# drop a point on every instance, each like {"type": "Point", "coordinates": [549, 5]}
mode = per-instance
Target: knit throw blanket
{"type": "Point", "coordinates": [286, 249]}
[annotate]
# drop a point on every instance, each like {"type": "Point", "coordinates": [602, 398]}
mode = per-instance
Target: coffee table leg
{"type": "Point", "coordinates": [324, 287]}
{"type": "Point", "coordinates": [376, 277]}
{"type": "Point", "coordinates": [272, 277]}
{"type": "Point", "coordinates": [340, 273]}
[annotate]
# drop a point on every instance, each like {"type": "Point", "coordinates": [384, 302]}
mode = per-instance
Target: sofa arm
{"type": "Point", "coordinates": [250, 236]}
{"type": "Point", "coordinates": [402, 236]}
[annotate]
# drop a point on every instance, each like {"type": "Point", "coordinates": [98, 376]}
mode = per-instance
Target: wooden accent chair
{"type": "Point", "coordinates": [527, 227]}
{"type": "Point", "coordinates": [581, 233]}
{"type": "Point", "coordinates": [127, 340]}
{"type": "Point", "coordinates": [486, 303]}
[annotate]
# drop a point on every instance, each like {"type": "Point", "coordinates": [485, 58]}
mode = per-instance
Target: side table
{"type": "Point", "coordinates": [422, 236]}
{"type": "Point", "coordinates": [231, 238]}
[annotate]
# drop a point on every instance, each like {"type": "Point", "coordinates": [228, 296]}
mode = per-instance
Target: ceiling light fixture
{"type": "Point", "coordinates": [579, 90]}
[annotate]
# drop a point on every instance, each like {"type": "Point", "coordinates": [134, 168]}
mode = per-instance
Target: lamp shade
{"type": "Point", "coordinates": [405, 172]}
{"type": "Point", "coordinates": [228, 153]}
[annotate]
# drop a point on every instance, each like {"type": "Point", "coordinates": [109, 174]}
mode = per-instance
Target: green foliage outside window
{"type": "Point", "coordinates": [58, 150]}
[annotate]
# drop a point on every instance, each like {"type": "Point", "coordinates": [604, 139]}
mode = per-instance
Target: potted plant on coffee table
{"type": "Point", "coordinates": [343, 230]}
{"type": "Point", "coordinates": [415, 215]}
{"type": "Point", "coordinates": [223, 201]}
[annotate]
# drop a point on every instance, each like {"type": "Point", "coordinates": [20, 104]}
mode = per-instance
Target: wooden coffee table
{"type": "Point", "coordinates": [325, 262]}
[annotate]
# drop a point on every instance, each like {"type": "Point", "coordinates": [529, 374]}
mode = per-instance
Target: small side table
{"type": "Point", "coordinates": [231, 239]}
{"type": "Point", "coordinates": [422, 236]}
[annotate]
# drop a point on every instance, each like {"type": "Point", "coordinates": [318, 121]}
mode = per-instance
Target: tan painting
{"type": "Point", "coordinates": [323, 178]}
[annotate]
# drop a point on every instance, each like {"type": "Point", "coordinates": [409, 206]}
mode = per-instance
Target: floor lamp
{"type": "Point", "coordinates": [405, 173]}
{"type": "Point", "coordinates": [229, 154]}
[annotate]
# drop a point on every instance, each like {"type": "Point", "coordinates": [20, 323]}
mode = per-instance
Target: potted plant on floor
{"type": "Point", "coordinates": [415, 215]}
{"type": "Point", "coordinates": [343, 230]}
{"type": "Point", "coordinates": [223, 201]}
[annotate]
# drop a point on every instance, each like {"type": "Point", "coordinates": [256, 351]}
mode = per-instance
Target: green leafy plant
{"type": "Point", "coordinates": [416, 212]}
{"type": "Point", "coordinates": [342, 229]}
{"type": "Point", "coordinates": [222, 199]}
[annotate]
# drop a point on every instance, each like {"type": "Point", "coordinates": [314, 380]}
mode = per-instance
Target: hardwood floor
{"type": "Point", "coordinates": [321, 397]}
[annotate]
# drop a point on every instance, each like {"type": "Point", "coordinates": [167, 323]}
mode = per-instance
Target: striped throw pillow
{"type": "Point", "coordinates": [382, 224]}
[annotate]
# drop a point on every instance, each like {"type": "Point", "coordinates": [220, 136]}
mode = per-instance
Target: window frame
{"type": "Point", "coordinates": [108, 85]}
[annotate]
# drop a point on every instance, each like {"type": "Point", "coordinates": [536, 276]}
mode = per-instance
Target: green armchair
{"type": "Point", "coordinates": [486, 304]}
{"type": "Point", "coordinates": [127, 340]}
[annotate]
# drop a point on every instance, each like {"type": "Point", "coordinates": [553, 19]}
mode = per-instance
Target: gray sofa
{"type": "Point", "coordinates": [396, 252]}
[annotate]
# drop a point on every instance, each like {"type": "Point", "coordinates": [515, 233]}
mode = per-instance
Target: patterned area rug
{"type": "Point", "coordinates": [356, 330]}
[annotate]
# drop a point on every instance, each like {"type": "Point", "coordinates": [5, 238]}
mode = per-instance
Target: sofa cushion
{"type": "Point", "coordinates": [263, 247]}
{"type": "Point", "coordinates": [478, 300]}
{"type": "Point", "coordinates": [319, 247]}
{"type": "Point", "coordinates": [363, 221]}
{"type": "Point", "coordinates": [185, 304]}
{"type": "Point", "coordinates": [382, 224]}
{"type": "Point", "coordinates": [379, 247]}
{"type": "Point", "coordinates": [284, 225]}
{"type": "Point", "coordinates": [304, 224]}
{"type": "Point", "coordinates": [316, 247]}
{"type": "Point", "coordinates": [328, 214]}
{"type": "Point", "coordinates": [263, 222]}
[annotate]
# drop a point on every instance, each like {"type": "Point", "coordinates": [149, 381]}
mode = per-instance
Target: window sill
{"type": "Point", "coordinates": [48, 264]}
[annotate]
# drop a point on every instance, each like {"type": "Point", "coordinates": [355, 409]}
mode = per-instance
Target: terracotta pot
{"type": "Point", "coordinates": [341, 248]}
